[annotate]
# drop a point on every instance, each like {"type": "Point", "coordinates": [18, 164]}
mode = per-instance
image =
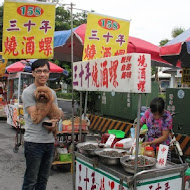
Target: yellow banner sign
{"type": "Point", "coordinates": [3, 63]}
{"type": "Point", "coordinates": [28, 30]}
{"type": "Point", "coordinates": [185, 76]}
{"type": "Point", "coordinates": [105, 37]}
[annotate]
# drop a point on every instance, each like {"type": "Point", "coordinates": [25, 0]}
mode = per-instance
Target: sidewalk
{"type": "Point", "coordinates": [12, 165]}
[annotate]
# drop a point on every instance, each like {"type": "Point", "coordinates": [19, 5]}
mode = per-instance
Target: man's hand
{"type": "Point", "coordinates": [54, 125]}
{"type": "Point", "coordinates": [144, 144]}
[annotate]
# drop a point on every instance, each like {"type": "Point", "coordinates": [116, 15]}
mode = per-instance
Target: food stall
{"type": "Point", "coordinates": [3, 84]}
{"type": "Point", "coordinates": [3, 96]}
{"type": "Point", "coordinates": [126, 73]}
{"type": "Point", "coordinates": [16, 84]}
{"type": "Point", "coordinates": [90, 172]}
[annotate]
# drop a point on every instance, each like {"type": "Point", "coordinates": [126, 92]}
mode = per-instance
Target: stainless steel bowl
{"type": "Point", "coordinates": [107, 159]}
{"type": "Point", "coordinates": [88, 151]}
{"type": "Point", "coordinates": [130, 168]}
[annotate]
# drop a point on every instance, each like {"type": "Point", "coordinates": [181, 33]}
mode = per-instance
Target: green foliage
{"type": "Point", "coordinates": [163, 42]}
{"type": "Point", "coordinates": [177, 31]}
{"type": "Point", "coordinates": [153, 70]}
{"type": "Point", "coordinates": [162, 95]}
{"type": "Point", "coordinates": [67, 96]}
{"type": "Point", "coordinates": [63, 19]}
{"type": "Point", "coordinates": [92, 97]}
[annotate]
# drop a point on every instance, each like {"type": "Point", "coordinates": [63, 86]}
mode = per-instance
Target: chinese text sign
{"type": "Point", "coordinates": [105, 37]}
{"type": "Point", "coordinates": [89, 178]}
{"type": "Point", "coordinates": [185, 76]}
{"type": "Point", "coordinates": [162, 155]}
{"type": "Point", "coordinates": [28, 30]}
{"type": "Point", "coordinates": [124, 73]}
{"type": "Point", "coordinates": [165, 182]}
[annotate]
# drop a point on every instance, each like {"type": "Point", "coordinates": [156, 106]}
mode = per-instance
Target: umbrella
{"type": "Point", "coordinates": [18, 66]}
{"type": "Point", "coordinates": [25, 66]}
{"type": "Point", "coordinates": [177, 50]}
{"type": "Point", "coordinates": [62, 46]}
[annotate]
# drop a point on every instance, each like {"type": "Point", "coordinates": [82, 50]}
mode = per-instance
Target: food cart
{"type": "Point", "coordinates": [91, 173]}
{"type": "Point", "coordinates": [3, 96]}
{"type": "Point", "coordinates": [16, 84]}
{"type": "Point", "coordinates": [126, 73]}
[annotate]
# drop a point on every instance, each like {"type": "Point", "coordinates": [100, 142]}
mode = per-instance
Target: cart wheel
{"type": "Point", "coordinates": [15, 149]}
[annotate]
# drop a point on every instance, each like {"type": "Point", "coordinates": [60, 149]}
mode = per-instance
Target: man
{"type": "Point", "coordinates": [38, 142]}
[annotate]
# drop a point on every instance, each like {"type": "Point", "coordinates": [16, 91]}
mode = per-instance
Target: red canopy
{"type": "Point", "coordinates": [25, 65]}
{"type": "Point", "coordinates": [62, 46]}
{"type": "Point", "coordinates": [137, 45]}
{"type": "Point", "coordinates": [18, 66]}
{"type": "Point", "coordinates": [177, 50]}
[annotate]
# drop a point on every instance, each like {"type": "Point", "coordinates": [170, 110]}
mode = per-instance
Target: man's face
{"type": "Point", "coordinates": [41, 75]}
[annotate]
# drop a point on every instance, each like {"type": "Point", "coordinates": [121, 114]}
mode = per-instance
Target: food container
{"type": "Point", "coordinates": [118, 133]}
{"type": "Point", "coordinates": [105, 137]}
{"type": "Point", "coordinates": [65, 157]}
{"type": "Point", "coordinates": [144, 163]}
{"type": "Point", "coordinates": [88, 148]}
{"type": "Point", "coordinates": [110, 156]}
{"type": "Point", "coordinates": [124, 143]}
{"type": "Point", "coordinates": [149, 151]}
{"type": "Point", "coordinates": [67, 128]}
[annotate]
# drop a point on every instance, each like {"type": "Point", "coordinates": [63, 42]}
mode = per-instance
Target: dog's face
{"type": "Point", "coordinates": [43, 94]}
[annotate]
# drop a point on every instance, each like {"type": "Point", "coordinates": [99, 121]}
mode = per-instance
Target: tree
{"type": "Point", "coordinates": [175, 32]}
{"type": "Point", "coordinates": [163, 42]}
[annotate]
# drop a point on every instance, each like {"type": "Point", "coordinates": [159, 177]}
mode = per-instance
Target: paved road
{"type": "Point", "coordinates": [12, 165]}
{"type": "Point", "coordinates": [66, 106]}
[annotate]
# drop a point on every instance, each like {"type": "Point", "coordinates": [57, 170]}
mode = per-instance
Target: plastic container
{"type": "Point", "coordinates": [105, 137]}
{"type": "Point", "coordinates": [117, 133]}
{"type": "Point", "coordinates": [141, 149]}
{"type": "Point", "coordinates": [65, 157]}
{"type": "Point", "coordinates": [187, 179]}
{"type": "Point", "coordinates": [124, 143]}
{"type": "Point", "coordinates": [60, 127]}
{"type": "Point", "coordinates": [149, 151]}
{"type": "Point", "coordinates": [132, 129]}
{"type": "Point", "coordinates": [144, 127]}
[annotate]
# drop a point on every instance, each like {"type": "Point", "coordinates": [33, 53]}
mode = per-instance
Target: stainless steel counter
{"type": "Point", "coordinates": [119, 172]}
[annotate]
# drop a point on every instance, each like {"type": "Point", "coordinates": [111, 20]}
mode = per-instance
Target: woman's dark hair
{"type": "Point", "coordinates": [40, 63]}
{"type": "Point", "coordinates": [157, 105]}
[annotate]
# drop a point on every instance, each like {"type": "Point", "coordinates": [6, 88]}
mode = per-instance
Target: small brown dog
{"type": "Point", "coordinates": [45, 105]}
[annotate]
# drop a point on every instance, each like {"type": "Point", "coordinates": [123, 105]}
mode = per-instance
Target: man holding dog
{"type": "Point", "coordinates": [38, 141]}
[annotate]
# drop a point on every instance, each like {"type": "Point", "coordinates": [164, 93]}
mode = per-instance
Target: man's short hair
{"type": "Point", "coordinates": [40, 63]}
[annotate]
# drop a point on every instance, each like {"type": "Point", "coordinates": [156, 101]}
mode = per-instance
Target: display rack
{"type": "Point", "coordinates": [65, 136]}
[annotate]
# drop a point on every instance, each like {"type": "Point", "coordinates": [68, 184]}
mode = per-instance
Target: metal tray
{"type": "Point", "coordinates": [89, 151]}
{"type": "Point", "coordinates": [130, 168]}
{"type": "Point", "coordinates": [107, 159]}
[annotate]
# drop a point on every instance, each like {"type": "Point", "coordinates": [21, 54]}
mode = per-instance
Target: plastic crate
{"type": "Point", "coordinates": [76, 127]}
{"type": "Point", "coordinates": [117, 133]}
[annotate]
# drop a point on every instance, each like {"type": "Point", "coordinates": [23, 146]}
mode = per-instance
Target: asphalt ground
{"type": "Point", "coordinates": [12, 165]}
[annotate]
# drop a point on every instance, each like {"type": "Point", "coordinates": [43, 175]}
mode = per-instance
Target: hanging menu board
{"type": "Point", "coordinates": [124, 73]}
